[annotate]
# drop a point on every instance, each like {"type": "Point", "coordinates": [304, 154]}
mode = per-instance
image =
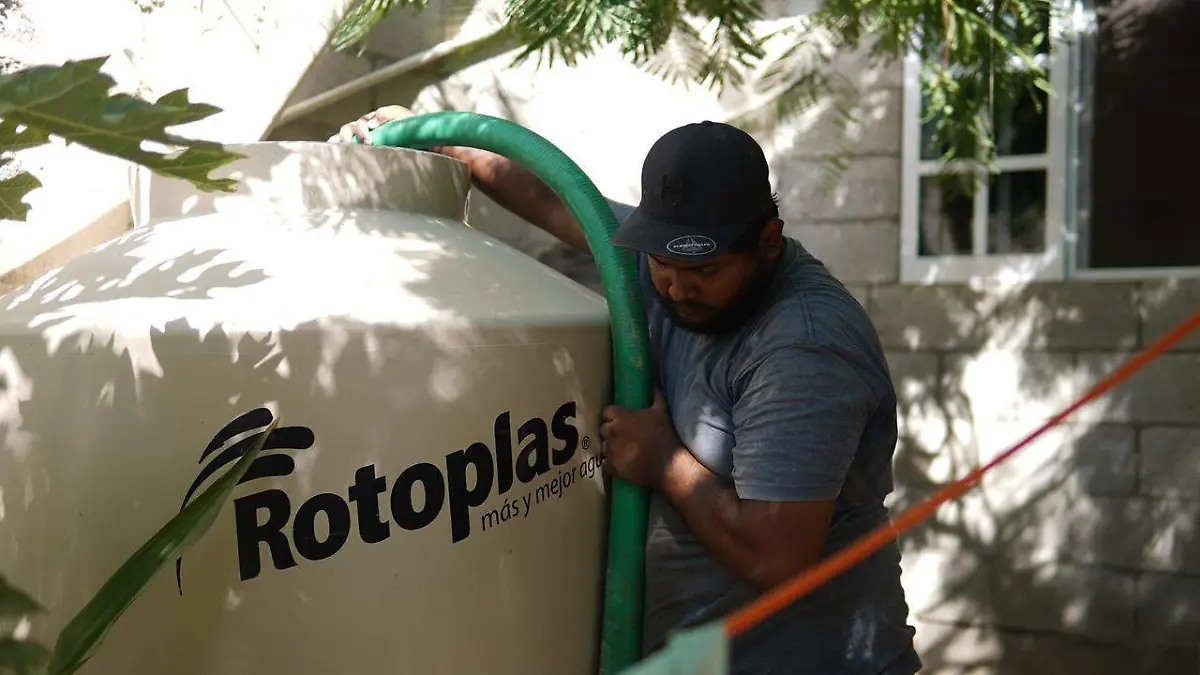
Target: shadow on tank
{"type": "Point", "coordinates": [394, 347]}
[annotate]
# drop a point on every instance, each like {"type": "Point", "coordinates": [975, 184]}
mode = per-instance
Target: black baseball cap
{"type": "Point", "coordinates": [703, 184]}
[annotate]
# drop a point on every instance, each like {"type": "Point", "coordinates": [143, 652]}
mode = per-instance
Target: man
{"type": "Point", "coordinates": [770, 445]}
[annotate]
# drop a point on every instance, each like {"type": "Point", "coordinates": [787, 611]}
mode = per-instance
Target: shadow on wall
{"type": "Point", "coordinates": [1079, 555]}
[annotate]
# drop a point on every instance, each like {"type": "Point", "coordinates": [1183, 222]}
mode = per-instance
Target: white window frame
{"type": "Point", "coordinates": [1058, 260]}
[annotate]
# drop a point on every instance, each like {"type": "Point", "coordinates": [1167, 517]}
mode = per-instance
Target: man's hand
{"type": "Point", "coordinates": [638, 445]}
{"type": "Point", "coordinates": [763, 542]}
{"type": "Point", "coordinates": [362, 127]}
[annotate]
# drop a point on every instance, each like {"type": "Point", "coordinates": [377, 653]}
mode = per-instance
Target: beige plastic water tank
{"type": "Point", "coordinates": [431, 502]}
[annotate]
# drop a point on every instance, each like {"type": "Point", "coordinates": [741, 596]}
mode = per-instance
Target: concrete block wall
{"type": "Point", "coordinates": [1080, 554]}
{"type": "Point", "coordinates": [1082, 549]}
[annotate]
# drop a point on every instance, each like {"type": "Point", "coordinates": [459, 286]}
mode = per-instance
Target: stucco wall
{"type": "Point", "coordinates": [1078, 556]}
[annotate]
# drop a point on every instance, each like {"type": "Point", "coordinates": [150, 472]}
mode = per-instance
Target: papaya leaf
{"type": "Point", "coordinates": [74, 101]}
{"type": "Point", "coordinates": [21, 657]}
{"type": "Point", "coordinates": [83, 634]}
{"type": "Point", "coordinates": [15, 603]}
{"type": "Point", "coordinates": [12, 193]}
{"type": "Point", "coordinates": [15, 136]}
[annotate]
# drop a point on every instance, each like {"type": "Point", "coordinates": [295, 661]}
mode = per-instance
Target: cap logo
{"type": "Point", "coordinates": [692, 244]}
{"type": "Point", "coordinates": [671, 189]}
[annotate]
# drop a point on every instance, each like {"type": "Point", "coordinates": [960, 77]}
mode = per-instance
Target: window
{"type": "Point", "coordinates": [1093, 183]}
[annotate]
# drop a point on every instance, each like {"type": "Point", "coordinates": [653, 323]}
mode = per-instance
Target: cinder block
{"type": "Point", "coordinates": [1033, 481]}
{"type": "Point", "coordinates": [872, 127]}
{"type": "Point", "coordinates": [1038, 317]}
{"type": "Point", "coordinates": [955, 650]}
{"type": "Point", "coordinates": [853, 252]}
{"type": "Point", "coordinates": [927, 317]}
{"type": "Point", "coordinates": [946, 584]}
{"type": "Point", "coordinates": [1170, 462]}
{"type": "Point", "coordinates": [1104, 460]}
{"type": "Point", "coordinates": [915, 378]}
{"type": "Point", "coordinates": [1065, 598]}
{"type": "Point", "coordinates": [1140, 533]}
{"type": "Point", "coordinates": [866, 72]}
{"type": "Point", "coordinates": [919, 462]}
{"type": "Point", "coordinates": [1168, 609]}
{"type": "Point", "coordinates": [1068, 461]}
{"type": "Point", "coordinates": [1166, 304]}
{"type": "Point", "coordinates": [1165, 391]}
{"type": "Point", "coordinates": [1076, 316]}
{"type": "Point", "coordinates": [853, 64]}
{"type": "Point", "coordinates": [919, 368]}
{"type": "Point", "coordinates": [868, 189]}
{"type": "Point", "coordinates": [998, 385]}
{"type": "Point", "coordinates": [1105, 531]}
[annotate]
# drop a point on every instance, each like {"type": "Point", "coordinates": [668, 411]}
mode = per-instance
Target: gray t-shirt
{"type": "Point", "coordinates": [797, 405]}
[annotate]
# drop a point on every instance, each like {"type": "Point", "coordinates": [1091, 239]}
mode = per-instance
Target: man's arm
{"type": "Point", "coordinates": [507, 183]}
{"type": "Point", "coordinates": [797, 423]}
{"type": "Point", "coordinates": [518, 190]}
{"type": "Point", "coordinates": [763, 542]}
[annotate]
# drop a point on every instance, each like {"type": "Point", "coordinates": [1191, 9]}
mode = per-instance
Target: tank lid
{"type": "Point", "coordinates": [308, 176]}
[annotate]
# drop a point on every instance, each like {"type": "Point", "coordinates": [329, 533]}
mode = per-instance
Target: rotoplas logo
{"type": "Point", "coordinates": [457, 485]}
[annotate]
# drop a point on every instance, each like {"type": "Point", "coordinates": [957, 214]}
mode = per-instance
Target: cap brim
{"type": "Point", "coordinates": [641, 233]}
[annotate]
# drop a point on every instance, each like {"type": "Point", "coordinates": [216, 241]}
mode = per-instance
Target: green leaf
{"type": "Point", "coordinates": [84, 633]}
{"type": "Point", "coordinates": [362, 17]}
{"type": "Point", "coordinates": [74, 101]}
{"type": "Point", "coordinates": [12, 193]}
{"type": "Point", "coordinates": [21, 657]}
{"type": "Point", "coordinates": [703, 650]}
{"type": "Point", "coordinates": [15, 603]}
{"type": "Point", "coordinates": [15, 137]}
{"type": "Point", "coordinates": [971, 52]}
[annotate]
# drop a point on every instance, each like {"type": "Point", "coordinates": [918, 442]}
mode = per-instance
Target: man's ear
{"type": "Point", "coordinates": [771, 237]}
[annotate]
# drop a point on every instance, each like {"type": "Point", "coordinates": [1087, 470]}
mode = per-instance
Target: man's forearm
{"type": "Point", "coordinates": [518, 190]}
{"type": "Point", "coordinates": [725, 526]}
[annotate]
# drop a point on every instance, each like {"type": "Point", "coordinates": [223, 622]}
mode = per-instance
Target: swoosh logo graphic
{"type": "Point", "coordinates": [264, 466]}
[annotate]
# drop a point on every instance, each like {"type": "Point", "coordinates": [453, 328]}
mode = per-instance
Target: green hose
{"type": "Point", "coordinates": [620, 644]}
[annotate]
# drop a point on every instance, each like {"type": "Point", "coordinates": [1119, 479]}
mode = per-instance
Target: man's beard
{"type": "Point", "coordinates": [741, 310]}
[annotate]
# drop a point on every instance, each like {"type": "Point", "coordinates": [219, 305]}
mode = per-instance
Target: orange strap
{"type": "Point", "coordinates": [807, 581]}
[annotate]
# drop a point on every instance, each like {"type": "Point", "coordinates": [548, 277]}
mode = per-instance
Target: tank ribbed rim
{"type": "Point", "coordinates": [299, 176]}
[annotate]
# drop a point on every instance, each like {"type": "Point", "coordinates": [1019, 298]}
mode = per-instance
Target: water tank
{"type": "Point", "coordinates": [431, 502]}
